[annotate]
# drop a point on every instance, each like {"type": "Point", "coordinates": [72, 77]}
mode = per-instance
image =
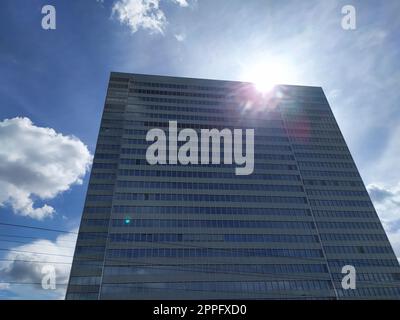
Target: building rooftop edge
{"type": "Point", "coordinates": [200, 79]}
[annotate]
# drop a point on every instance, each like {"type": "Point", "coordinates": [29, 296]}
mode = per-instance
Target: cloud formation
{"type": "Point", "coordinates": [26, 267]}
{"type": "Point", "coordinates": [37, 163]}
{"type": "Point", "coordinates": [387, 204]}
{"type": "Point", "coordinates": [180, 37]}
{"type": "Point", "coordinates": [145, 14]}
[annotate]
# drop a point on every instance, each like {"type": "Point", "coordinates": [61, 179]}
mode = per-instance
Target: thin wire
{"type": "Point", "coordinates": [35, 238]}
{"type": "Point", "coordinates": [128, 284]}
{"type": "Point", "coordinates": [36, 228]}
{"type": "Point", "coordinates": [143, 263]}
{"type": "Point", "coordinates": [28, 283]}
{"type": "Point", "coordinates": [34, 261]}
{"type": "Point", "coordinates": [277, 276]}
{"type": "Point", "coordinates": [33, 252]}
{"type": "Point", "coordinates": [24, 242]}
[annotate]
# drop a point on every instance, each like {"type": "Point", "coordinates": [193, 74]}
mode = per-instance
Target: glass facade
{"type": "Point", "coordinates": [200, 231]}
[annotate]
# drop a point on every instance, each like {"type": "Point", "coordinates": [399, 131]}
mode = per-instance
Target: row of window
{"type": "Point", "coordinates": [116, 93]}
{"type": "Point", "coordinates": [107, 156]}
{"type": "Point", "coordinates": [179, 237]}
{"type": "Point", "coordinates": [352, 237]}
{"type": "Point", "coordinates": [110, 131]}
{"type": "Point", "coordinates": [98, 236]}
{"type": "Point", "coordinates": [200, 210]}
{"type": "Point", "coordinates": [257, 137]}
{"type": "Point", "coordinates": [263, 130]}
{"type": "Point", "coordinates": [369, 292]}
{"type": "Point", "coordinates": [341, 165]}
{"type": "Point", "coordinates": [115, 100]}
{"type": "Point", "coordinates": [89, 250]}
{"type": "Point", "coordinates": [179, 93]}
{"type": "Point", "coordinates": [172, 223]}
{"type": "Point", "coordinates": [335, 165]}
{"type": "Point", "coordinates": [229, 110]}
{"type": "Point", "coordinates": [84, 295]}
{"type": "Point", "coordinates": [341, 203]}
{"type": "Point", "coordinates": [143, 162]}
{"type": "Point", "coordinates": [85, 280]}
{"type": "Point", "coordinates": [205, 174]}
{"type": "Point", "coordinates": [187, 109]}
{"type": "Point", "coordinates": [259, 147]}
{"type": "Point", "coordinates": [202, 186]}
{"type": "Point", "coordinates": [257, 156]}
{"type": "Point", "coordinates": [134, 99]}
{"type": "Point", "coordinates": [232, 88]}
{"type": "Point", "coordinates": [303, 155]}
{"type": "Point", "coordinates": [228, 211]}
{"type": "Point", "coordinates": [227, 198]}
{"type": "Point", "coordinates": [349, 225]}
{"type": "Point", "coordinates": [312, 132]}
{"type": "Point", "coordinates": [372, 277]}
{"type": "Point", "coordinates": [341, 193]}
{"type": "Point", "coordinates": [357, 249]}
{"type": "Point", "coordinates": [344, 214]}
{"type": "Point", "coordinates": [103, 176]}
{"type": "Point", "coordinates": [109, 139]}
{"type": "Point", "coordinates": [99, 197]}
{"type": "Point", "coordinates": [110, 166]}
{"type": "Point", "coordinates": [303, 111]}
{"type": "Point", "coordinates": [299, 105]}
{"type": "Point", "coordinates": [264, 127]}
{"type": "Point", "coordinates": [240, 288]}
{"type": "Point", "coordinates": [210, 252]}
{"type": "Point", "coordinates": [341, 174]}
{"type": "Point", "coordinates": [292, 100]}
{"type": "Point", "coordinates": [339, 263]}
{"type": "Point", "coordinates": [308, 124]}
{"type": "Point", "coordinates": [169, 223]}
{"type": "Point", "coordinates": [307, 140]}
{"type": "Point", "coordinates": [332, 183]}
{"type": "Point", "coordinates": [175, 101]}
{"type": "Point", "coordinates": [117, 122]}
{"type": "Point", "coordinates": [319, 147]}
{"type": "Point", "coordinates": [274, 147]}
{"type": "Point", "coordinates": [197, 117]}
{"type": "Point", "coordinates": [198, 197]}
{"type": "Point", "coordinates": [217, 268]}
{"type": "Point", "coordinates": [301, 117]}
{"type": "Point", "coordinates": [95, 222]}
{"type": "Point", "coordinates": [102, 146]}
{"type": "Point", "coordinates": [136, 83]}
{"type": "Point", "coordinates": [119, 85]}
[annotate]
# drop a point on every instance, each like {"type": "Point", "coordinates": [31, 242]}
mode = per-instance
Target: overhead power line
{"type": "Point", "coordinates": [36, 228]}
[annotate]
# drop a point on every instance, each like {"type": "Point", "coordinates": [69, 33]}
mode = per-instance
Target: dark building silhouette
{"type": "Point", "coordinates": [200, 231]}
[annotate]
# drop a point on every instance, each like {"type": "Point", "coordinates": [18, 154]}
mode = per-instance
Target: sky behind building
{"type": "Point", "coordinates": [56, 79]}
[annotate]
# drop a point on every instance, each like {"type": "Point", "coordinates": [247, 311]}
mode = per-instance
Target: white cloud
{"type": "Point", "coordinates": [182, 3]}
{"type": "Point", "coordinates": [387, 203]}
{"type": "Point", "coordinates": [386, 165]}
{"type": "Point", "coordinates": [30, 269]}
{"type": "Point", "coordinates": [140, 14]}
{"type": "Point", "coordinates": [4, 286]}
{"type": "Point", "coordinates": [145, 14]}
{"type": "Point", "coordinates": [180, 37]}
{"type": "Point", "coordinates": [37, 163]}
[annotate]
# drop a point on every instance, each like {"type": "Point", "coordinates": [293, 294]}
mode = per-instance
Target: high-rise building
{"type": "Point", "coordinates": [200, 231]}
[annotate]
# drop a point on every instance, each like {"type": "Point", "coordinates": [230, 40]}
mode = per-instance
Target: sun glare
{"type": "Point", "coordinates": [265, 76]}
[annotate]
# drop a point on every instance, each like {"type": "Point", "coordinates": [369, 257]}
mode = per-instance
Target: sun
{"type": "Point", "coordinates": [266, 75]}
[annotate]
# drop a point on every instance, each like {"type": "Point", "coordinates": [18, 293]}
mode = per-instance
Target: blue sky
{"type": "Point", "coordinates": [57, 79]}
